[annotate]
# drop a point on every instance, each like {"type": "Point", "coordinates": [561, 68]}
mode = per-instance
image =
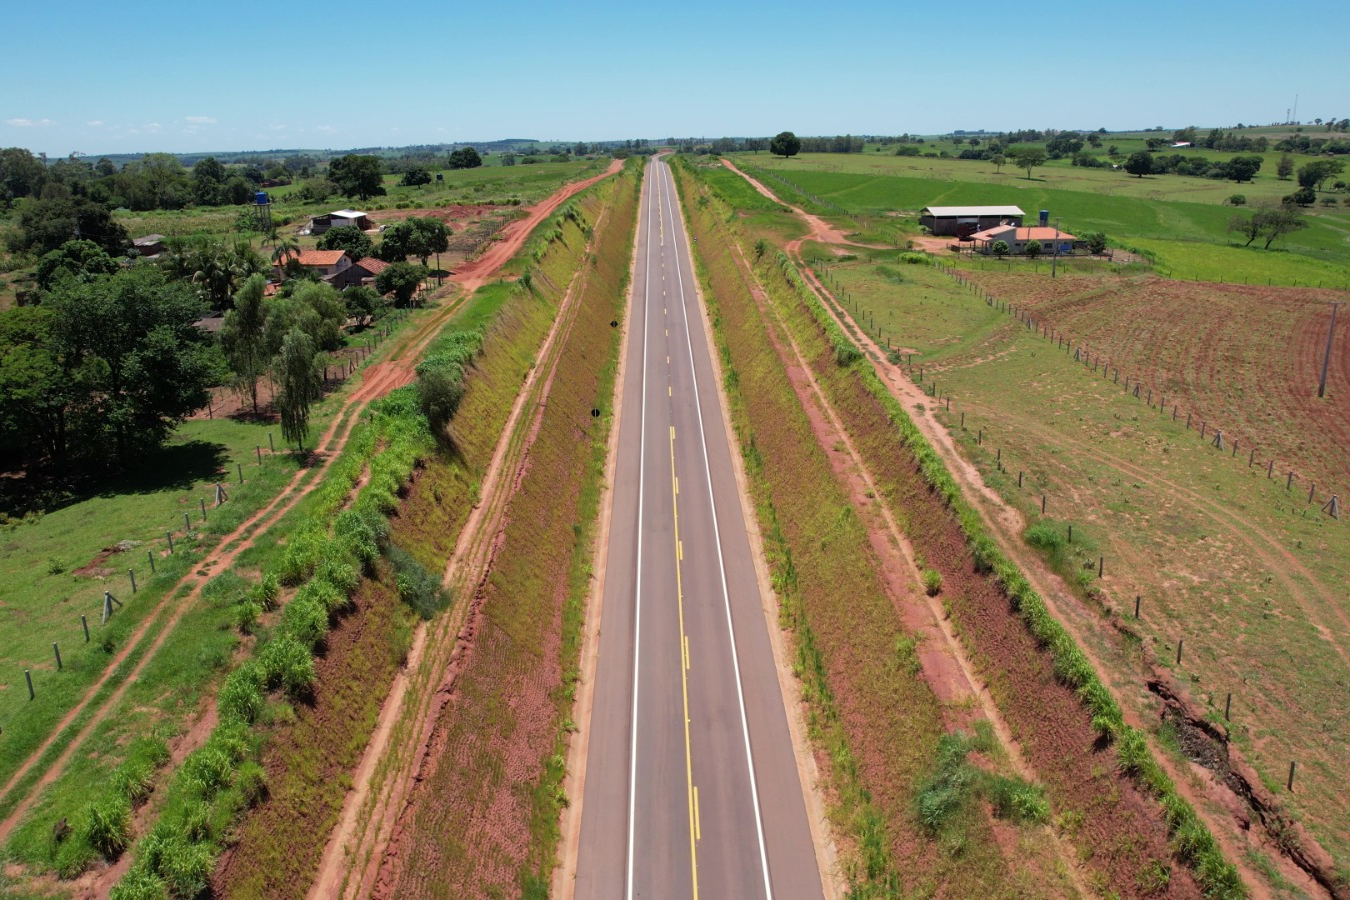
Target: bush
{"type": "Point", "coordinates": [306, 620]}
{"type": "Point", "coordinates": [108, 828]}
{"type": "Point", "coordinates": [1017, 801]}
{"type": "Point", "coordinates": [241, 697]}
{"type": "Point", "coordinates": [287, 663]}
{"type": "Point", "coordinates": [252, 783]}
{"type": "Point", "coordinates": [267, 591]}
{"type": "Point", "coordinates": [246, 614]}
{"type": "Point", "coordinates": [932, 582]}
{"type": "Point", "coordinates": [208, 770]}
{"type": "Point", "coordinates": [139, 884]}
{"type": "Point", "coordinates": [417, 587]}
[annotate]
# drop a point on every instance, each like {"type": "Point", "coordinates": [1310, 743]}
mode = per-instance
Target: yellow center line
{"type": "Point", "coordinates": [684, 676]}
{"type": "Point", "coordinates": [698, 832]}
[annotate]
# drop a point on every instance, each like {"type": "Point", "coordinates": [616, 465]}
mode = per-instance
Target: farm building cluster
{"type": "Point", "coordinates": [983, 227]}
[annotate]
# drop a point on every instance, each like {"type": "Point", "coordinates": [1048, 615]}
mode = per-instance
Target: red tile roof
{"type": "Point", "coordinates": [315, 258]}
{"type": "Point", "coordinates": [372, 265]}
{"type": "Point", "coordinates": [1031, 233]}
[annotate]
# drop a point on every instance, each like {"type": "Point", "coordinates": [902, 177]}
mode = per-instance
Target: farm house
{"type": "Point", "coordinates": [342, 218]}
{"type": "Point", "coordinates": [966, 220]}
{"type": "Point", "coordinates": [1017, 239]}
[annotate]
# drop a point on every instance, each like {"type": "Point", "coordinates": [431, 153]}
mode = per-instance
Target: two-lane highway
{"type": "Point", "coordinates": [691, 784]}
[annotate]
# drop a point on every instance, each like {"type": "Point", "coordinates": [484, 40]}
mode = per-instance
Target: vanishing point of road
{"type": "Point", "coordinates": [692, 786]}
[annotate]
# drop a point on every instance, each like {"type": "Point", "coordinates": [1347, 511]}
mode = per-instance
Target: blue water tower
{"type": "Point", "coordinates": [260, 198]}
{"type": "Point", "coordinates": [1045, 217]}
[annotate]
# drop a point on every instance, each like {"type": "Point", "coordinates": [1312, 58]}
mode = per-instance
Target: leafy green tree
{"type": "Point", "coordinates": [357, 176]}
{"type": "Point", "coordinates": [1237, 200]}
{"type": "Point", "coordinates": [401, 279]}
{"type": "Point", "coordinates": [1247, 226]}
{"type": "Point", "coordinates": [299, 378]}
{"type": "Point", "coordinates": [208, 181]}
{"type": "Point", "coordinates": [21, 174]}
{"type": "Point", "coordinates": [1028, 158]}
{"type": "Point", "coordinates": [35, 394]}
{"type": "Point", "coordinates": [465, 158]}
{"type": "Point", "coordinates": [1032, 249]}
{"type": "Point", "coordinates": [313, 307]}
{"type": "Point", "coordinates": [243, 337]}
{"type": "Point", "coordinates": [1316, 173]}
{"type": "Point", "coordinates": [362, 302]}
{"type": "Point", "coordinates": [1243, 168]}
{"type": "Point", "coordinates": [1304, 196]}
{"type": "Point", "coordinates": [1139, 164]}
{"type": "Point", "coordinates": [419, 236]}
{"type": "Point", "coordinates": [1271, 223]}
{"type": "Point", "coordinates": [999, 161]}
{"type": "Point", "coordinates": [131, 348]}
{"type": "Point", "coordinates": [354, 241]}
{"type": "Point", "coordinates": [414, 176]}
{"type": "Point", "coordinates": [44, 225]}
{"type": "Point", "coordinates": [82, 260]}
{"type": "Point", "coordinates": [1285, 167]}
{"type": "Point", "coordinates": [1096, 242]}
{"type": "Point", "coordinates": [785, 144]}
{"type": "Point", "coordinates": [1000, 249]}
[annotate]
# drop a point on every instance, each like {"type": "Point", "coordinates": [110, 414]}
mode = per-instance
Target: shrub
{"type": "Point", "coordinates": [306, 620]}
{"type": "Point", "coordinates": [287, 663]}
{"type": "Point", "coordinates": [1018, 801]}
{"type": "Point", "coordinates": [241, 697]}
{"type": "Point", "coordinates": [267, 591]}
{"type": "Point", "coordinates": [208, 770]}
{"type": "Point", "coordinates": [133, 780]}
{"type": "Point", "coordinates": [186, 867]}
{"type": "Point", "coordinates": [108, 828]}
{"type": "Point", "coordinates": [417, 587]}
{"type": "Point", "coordinates": [252, 783]}
{"type": "Point", "coordinates": [246, 614]}
{"type": "Point", "coordinates": [932, 582]}
{"type": "Point", "coordinates": [139, 884]}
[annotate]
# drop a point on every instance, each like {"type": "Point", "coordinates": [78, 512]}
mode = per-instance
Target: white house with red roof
{"type": "Point", "coordinates": [1017, 237]}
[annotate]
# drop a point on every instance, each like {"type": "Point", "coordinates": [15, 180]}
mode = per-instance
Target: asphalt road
{"type": "Point", "coordinates": [692, 788]}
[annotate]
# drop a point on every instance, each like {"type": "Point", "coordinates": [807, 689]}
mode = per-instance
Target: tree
{"type": "Point", "coordinates": [1139, 164]}
{"type": "Point", "coordinates": [1285, 167]}
{"type": "Point", "coordinates": [133, 354]}
{"type": "Point", "coordinates": [299, 384]}
{"type": "Point", "coordinates": [21, 174]}
{"type": "Point", "coordinates": [415, 175]}
{"type": "Point", "coordinates": [44, 225]}
{"type": "Point", "coordinates": [354, 241]}
{"type": "Point", "coordinates": [361, 302]}
{"type": "Point", "coordinates": [243, 337]}
{"type": "Point", "coordinates": [1316, 173]}
{"type": "Point", "coordinates": [1032, 249]}
{"type": "Point", "coordinates": [315, 308]}
{"type": "Point", "coordinates": [998, 160]}
{"type": "Point", "coordinates": [208, 181]}
{"type": "Point", "coordinates": [1243, 168]}
{"type": "Point", "coordinates": [1028, 158]}
{"type": "Point", "coordinates": [401, 279]}
{"type": "Point", "coordinates": [1304, 196]}
{"type": "Point", "coordinates": [1247, 226]}
{"type": "Point", "coordinates": [82, 260]}
{"type": "Point", "coordinates": [785, 144]}
{"type": "Point", "coordinates": [418, 236]}
{"type": "Point", "coordinates": [1000, 249]}
{"type": "Point", "coordinates": [464, 158]}
{"type": "Point", "coordinates": [1096, 242]}
{"type": "Point", "coordinates": [357, 176]}
{"type": "Point", "coordinates": [1271, 223]}
{"type": "Point", "coordinates": [35, 395]}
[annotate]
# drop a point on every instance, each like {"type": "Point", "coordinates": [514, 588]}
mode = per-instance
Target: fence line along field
{"type": "Point", "coordinates": [1243, 572]}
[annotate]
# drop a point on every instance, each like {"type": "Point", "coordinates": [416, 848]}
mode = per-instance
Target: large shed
{"type": "Point", "coordinates": [964, 221]}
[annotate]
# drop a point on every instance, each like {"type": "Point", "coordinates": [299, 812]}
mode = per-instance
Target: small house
{"type": "Point", "coordinates": [324, 263]}
{"type": "Point", "coordinates": [1017, 239]}
{"type": "Point", "coordinates": [342, 218]}
{"type": "Point", "coordinates": [963, 221]}
{"type": "Point", "coordinates": [150, 246]}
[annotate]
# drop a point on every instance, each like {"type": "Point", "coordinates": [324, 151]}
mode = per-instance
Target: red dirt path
{"type": "Point", "coordinates": [377, 380]}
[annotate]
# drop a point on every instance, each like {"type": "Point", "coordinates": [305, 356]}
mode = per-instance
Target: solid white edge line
{"type": "Point", "coordinates": [717, 537]}
{"type": "Point", "coordinates": [637, 617]}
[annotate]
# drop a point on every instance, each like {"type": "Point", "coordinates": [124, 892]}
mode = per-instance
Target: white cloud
{"type": "Point", "coordinates": [29, 123]}
{"type": "Point", "coordinates": [201, 120]}
{"type": "Point", "coordinates": [95, 123]}
{"type": "Point", "coordinates": [277, 126]}
{"type": "Point", "coordinates": [153, 128]}
{"type": "Point", "coordinates": [326, 129]}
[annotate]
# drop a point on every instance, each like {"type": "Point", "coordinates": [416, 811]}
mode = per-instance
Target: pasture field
{"type": "Point", "coordinates": [1247, 574]}
{"type": "Point", "coordinates": [1183, 225]}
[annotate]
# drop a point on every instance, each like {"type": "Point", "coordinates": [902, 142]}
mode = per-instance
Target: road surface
{"type": "Point", "coordinates": [692, 787]}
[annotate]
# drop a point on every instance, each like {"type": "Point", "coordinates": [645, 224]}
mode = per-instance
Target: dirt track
{"type": "Point", "coordinates": [379, 379]}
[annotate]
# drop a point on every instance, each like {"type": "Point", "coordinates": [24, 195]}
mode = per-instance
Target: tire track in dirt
{"type": "Point", "coordinates": [355, 852]}
{"type": "Point", "coordinates": [377, 380]}
{"type": "Point", "coordinates": [1006, 525]}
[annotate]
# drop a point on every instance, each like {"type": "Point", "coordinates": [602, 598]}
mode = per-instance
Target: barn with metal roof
{"type": "Point", "coordinates": [966, 220]}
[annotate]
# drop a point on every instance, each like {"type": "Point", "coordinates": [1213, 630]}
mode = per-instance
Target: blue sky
{"type": "Point", "coordinates": [136, 76]}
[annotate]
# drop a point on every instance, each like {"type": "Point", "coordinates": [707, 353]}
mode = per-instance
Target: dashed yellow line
{"type": "Point", "coordinates": [684, 671]}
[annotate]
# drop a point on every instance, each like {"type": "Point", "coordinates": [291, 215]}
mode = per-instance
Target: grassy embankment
{"type": "Point", "coordinates": [1223, 557]}
{"type": "Point", "coordinates": [1116, 834]}
{"type": "Point", "coordinates": [1185, 239]}
{"type": "Point", "coordinates": [484, 819]}
{"type": "Point", "coordinates": [139, 509]}
{"type": "Point", "coordinates": [313, 756]}
{"type": "Point", "coordinates": [904, 824]}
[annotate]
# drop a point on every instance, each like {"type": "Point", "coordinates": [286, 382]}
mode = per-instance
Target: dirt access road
{"type": "Point", "coordinates": [396, 370]}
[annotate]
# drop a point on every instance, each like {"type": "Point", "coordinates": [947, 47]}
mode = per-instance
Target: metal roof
{"type": "Point", "coordinates": [349, 214]}
{"type": "Point", "coordinates": [944, 212]}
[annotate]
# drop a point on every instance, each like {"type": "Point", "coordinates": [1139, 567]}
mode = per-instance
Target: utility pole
{"type": "Point", "coordinates": [1054, 257]}
{"type": "Point", "coordinates": [1326, 359]}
